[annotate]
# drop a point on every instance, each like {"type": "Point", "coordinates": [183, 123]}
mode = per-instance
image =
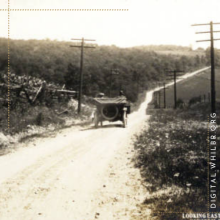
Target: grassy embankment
{"type": "Point", "coordinates": [28, 121]}
{"type": "Point", "coordinates": [172, 156]}
{"type": "Point", "coordinates": [192, 87]}
{"type": "Point", "coordinates": [39, 121]}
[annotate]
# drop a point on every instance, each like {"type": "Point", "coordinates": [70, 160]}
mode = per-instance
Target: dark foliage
{"type": "Point", "coordinates": [71, 78]}
{"type": "Point", "coordinates": [57, 62]}
{"type": "Point", "coordinates": [217, 57]}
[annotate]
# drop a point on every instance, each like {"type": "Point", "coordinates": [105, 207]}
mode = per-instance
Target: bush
{"type": "Point", "coordinates": [180, 103]}
{"type": "Point", "coordinates": [195, 100]}
{"type": "Point", "coordinates": [39, 119]}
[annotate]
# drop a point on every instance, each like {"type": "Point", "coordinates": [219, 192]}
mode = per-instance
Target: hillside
{"type": "Point", "coordinates": [57, 65]}
{"type": "Point", "coordinates": [196, 86]}
{"type": "Point", "coordinates": [57, 62]}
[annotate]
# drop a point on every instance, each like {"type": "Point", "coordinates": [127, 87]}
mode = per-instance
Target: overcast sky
{"type": "Point", "coordinates": [147, 21]}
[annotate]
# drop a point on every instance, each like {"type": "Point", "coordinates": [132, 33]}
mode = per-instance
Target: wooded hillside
{"type": "Point", "coordinates": [57, 62]}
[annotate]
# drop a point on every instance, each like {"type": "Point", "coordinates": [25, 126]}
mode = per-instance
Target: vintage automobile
{"type": "Point", "coordinates": [111, 109]}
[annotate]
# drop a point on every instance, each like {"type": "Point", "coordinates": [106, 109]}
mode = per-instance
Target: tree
{"type": "Point", "coordinates": [217, 57]}
{"type": "Point", "coordinates": [55, 62]}
{"type": "Point", "coordinates": [71, 77]}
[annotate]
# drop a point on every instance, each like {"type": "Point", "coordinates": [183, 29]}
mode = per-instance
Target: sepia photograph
{"type": "Point", "coordinates": [109, 109]}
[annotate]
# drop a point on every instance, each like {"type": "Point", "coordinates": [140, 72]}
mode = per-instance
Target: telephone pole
{"type": "Point", "coordinates": [174, 72]}
{"type": "Point", "coordinates": [81, 46]}
{"type": "Point", "coordinates": [157, 99]}
{"type": "Point", "coordinates": [159, 96]}
{"type": "Point", "coordinates": [164, 94]}
{"type": "Point", "coordinates": [212, 54]}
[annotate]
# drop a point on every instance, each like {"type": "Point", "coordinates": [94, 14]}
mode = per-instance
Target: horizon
{"type": "Point", "coordinates": [147, 22]}
{"type": "Point", "coordinates": [110, 45]}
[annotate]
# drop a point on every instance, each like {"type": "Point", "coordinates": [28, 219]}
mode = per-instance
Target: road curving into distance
{"type": "Point", "coordinates": [80, 173]}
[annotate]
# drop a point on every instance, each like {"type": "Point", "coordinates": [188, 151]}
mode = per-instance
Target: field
{"type": "Point", "coordinates": [192, 87]}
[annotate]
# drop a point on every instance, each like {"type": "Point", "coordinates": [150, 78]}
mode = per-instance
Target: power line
{"type": "Point", "coordinates": [82, 46]}
{"type": "Point", "coordinates": [212, 54]}
{"type": "Point", "coordinates": [158, 94]}
{"type": "Point", "coordinates": [164, 94]}
{"type": "Point", "coordinates": [175, 88]}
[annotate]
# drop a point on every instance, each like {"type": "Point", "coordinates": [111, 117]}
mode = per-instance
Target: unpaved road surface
{"type": "Point", "coordinates": [81, 173]}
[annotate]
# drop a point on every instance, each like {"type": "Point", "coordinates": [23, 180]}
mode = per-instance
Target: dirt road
{"type": "Point", "coordinates": [80, 173]}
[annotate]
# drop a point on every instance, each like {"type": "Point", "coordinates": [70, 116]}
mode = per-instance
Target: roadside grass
{"type": "Point", "coordinates": [37, 121]}
{"type": "Point", "coordinates": [172, 156]}
{"type": "Point", "coordinates": [28, 121]}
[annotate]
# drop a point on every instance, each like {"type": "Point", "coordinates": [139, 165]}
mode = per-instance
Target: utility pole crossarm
{"type": "Point", "coordinates": [200, 24]}
{"type": "Point", "coordinates": [82, 46]}
{"type": "Point", "coordinates": [207, 32]}
{"type": "Point", "coordinates": [206, 40]}
{"type": "Point", "coordinates": [89, 47]}
{"type": "Point", "coordinates": [75, 46]}
{"type": "Point", "coordinates": [84, 39]}
{"type": "Point", "coordinates": [212, 55]}
{"type": "Point", "coordinates": [205, 24]}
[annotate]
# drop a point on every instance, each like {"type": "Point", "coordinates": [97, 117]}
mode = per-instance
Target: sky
{"type": "Point", "coordinates": [147, 22]}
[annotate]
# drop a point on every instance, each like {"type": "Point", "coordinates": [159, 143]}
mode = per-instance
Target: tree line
{"type": "Point", "coordinates": [57, 62]}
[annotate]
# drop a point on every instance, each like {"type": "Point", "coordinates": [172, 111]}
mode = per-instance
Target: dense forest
{"type": "Point", "coordinates": [57, 62]}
